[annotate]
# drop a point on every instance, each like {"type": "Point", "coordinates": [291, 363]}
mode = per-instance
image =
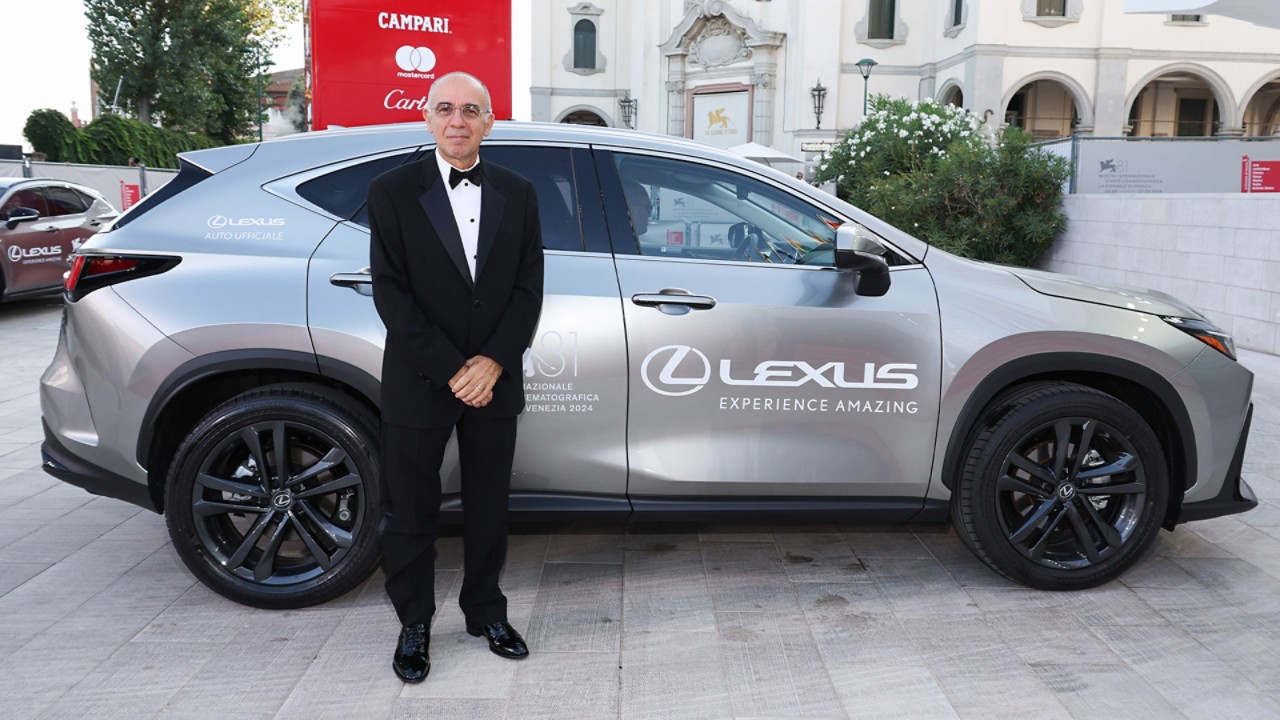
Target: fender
{"type": "Point", "coordinates": [262, 360]}
{"type": "Point", "coordinates": [1068, 364]}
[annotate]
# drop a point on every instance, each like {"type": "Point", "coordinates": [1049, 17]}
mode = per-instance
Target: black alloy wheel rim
{"type": "Point", "coordinates": [277, 503]}
{"type": "Point", "coordinates": [1071, 493]}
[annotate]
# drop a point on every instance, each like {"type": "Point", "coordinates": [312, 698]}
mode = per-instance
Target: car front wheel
{"type": "Point", "coordinates": [273, 498]}
{"type": "Point", "coordinates": [1064, 487]}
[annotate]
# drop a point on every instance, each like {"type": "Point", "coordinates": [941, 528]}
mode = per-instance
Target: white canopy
{"type": "Point", "coordinates": [1258, 12]}
{"type": "Point", "coordinates": [763, 154]}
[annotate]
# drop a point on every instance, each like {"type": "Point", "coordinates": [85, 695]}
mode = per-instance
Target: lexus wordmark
{"type": "Point", "coordinates": [717, 340]}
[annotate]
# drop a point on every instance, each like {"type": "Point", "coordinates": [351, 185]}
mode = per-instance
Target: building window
{"type": "Point", "coordinates": [957, 13]}
{"type": "Point", "coordinates": [881, 27]}
{"type": "Point", "coordinates": [1190, 19]}
{"type": "Point", "coordinates": [880, 19]}
{"type": "Point", "coordinates": [584, 45]}
{"type": "Point", "coordinates": [584, 56]}
{"type": "Point", "coordinates": [1051, 8]}
{"type": "Point", "coordinates": [1052, 13]}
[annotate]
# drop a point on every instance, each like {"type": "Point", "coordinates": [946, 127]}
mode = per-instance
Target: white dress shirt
{"type": "Point", "coordinates": [465, 201]}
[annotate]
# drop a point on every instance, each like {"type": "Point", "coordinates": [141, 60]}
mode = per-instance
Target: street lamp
{"type": "Point", "coordinates": [819, 95]}
{"type": "Point", "coordinates": [629, 109]}
{"type": "Point", "coordinates": [864, 67]}
{"type": "Point", "coordinates": [257, 63]}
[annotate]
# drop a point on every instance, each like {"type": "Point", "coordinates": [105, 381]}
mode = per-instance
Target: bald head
{"type": "Point", "coordinates": [458, 76]}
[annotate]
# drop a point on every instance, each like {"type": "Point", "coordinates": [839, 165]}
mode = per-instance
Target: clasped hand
{"type": "Point", "coordinates": [473, 383]}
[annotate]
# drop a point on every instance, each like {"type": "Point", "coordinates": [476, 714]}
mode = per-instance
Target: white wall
{"type": "Point", "coordinates": [1219, 253]}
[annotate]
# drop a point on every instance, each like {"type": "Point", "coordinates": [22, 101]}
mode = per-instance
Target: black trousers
{"type": "Point", "coordinates": [411, 459]}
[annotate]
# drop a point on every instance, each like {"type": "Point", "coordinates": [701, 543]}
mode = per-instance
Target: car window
{"type": "Point", "coordinates": [27, 198]}
{"type": "Point", "coordinates": [343, 192]}
{"type": "Point", "coordinates": [551, 172]}
{"type": "Point", "coordinates": [85, 198]}
{"type": "Point", "coordinates": [63, 201]}
{"type": "Point", "coordinates": [688, 210]}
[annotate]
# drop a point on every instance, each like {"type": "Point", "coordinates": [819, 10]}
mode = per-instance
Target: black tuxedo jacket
{"type": "Point", "coordinates": [436, 317]}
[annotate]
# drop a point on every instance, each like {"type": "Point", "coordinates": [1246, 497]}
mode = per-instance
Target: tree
{"type": "Point", "coordinates": [186, 64]}
{"type": "Point", "coordinates": [929, 170]}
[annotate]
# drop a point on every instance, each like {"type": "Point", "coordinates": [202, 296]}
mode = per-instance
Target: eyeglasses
{"type": "Point", "coordinates": [445, 111]}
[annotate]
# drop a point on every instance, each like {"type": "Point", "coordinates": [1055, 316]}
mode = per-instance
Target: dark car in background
{"type": "Point", "coordinates": [43, 221]}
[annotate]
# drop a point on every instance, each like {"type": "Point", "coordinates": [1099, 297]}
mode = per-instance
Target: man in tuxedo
{"type": "Point", "coordinates": [456, 258]}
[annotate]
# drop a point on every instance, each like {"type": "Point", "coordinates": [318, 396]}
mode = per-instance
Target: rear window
{"type": "Point", "coordinates": [188, 175]}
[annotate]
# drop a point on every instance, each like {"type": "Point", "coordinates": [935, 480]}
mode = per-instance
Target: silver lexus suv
{"type": "Point", "coordinates": [718, 340]}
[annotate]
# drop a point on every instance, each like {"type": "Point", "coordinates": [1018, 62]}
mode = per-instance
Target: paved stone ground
{"type": "Point", "coordinates": [99, 619]}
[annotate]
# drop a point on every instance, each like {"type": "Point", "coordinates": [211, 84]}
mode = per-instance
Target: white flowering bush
{"type": "Point", "coordinates": [930, 170]}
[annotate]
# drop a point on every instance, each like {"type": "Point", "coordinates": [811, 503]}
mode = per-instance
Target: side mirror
{"type": "Point", "coordinates": [20, 214]}
{"type": "Point", "coordinates": [858, 250]}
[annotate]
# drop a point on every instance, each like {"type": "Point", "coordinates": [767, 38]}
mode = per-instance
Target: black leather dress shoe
{"type": "Point", "coordinates": [411, 661]}
{"type": "Point", "coordinates": [504, 641]}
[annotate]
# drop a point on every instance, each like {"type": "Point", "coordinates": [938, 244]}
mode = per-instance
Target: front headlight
{"type": "Point", "coordinates": [1207, 333]}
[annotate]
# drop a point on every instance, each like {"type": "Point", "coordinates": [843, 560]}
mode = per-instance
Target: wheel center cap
{"type": "Point", "coordinates": [1066, 491]}
{"type": "Point", "coordinates": [282, 500]}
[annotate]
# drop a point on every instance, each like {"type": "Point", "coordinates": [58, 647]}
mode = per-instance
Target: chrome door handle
{"type": "Point", "coordinates": [51, 229]}
{"type": "Point", "coordinates": [361, 281]}
{"type": "Point", "coordinates": [674, 301]}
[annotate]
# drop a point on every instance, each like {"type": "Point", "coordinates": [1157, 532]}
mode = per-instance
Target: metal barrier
{"type": "Point", "coordinates": [122, 186]}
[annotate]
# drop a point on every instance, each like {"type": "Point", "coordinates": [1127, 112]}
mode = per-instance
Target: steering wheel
{"type": "Point", "coordinates": [749, 243]}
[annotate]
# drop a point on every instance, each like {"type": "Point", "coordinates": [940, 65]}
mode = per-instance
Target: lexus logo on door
{"type": "Point", "coordinates": [660, 367]}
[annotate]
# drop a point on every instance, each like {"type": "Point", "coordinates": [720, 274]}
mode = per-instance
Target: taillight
{"type": "Point", "coordinates": [89, 272]}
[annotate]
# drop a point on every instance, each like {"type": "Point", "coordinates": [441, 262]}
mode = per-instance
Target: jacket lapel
{"type": "Point", "coordinates": [492, 205]}
{"type": "Point", "coordinates": [435, 203]}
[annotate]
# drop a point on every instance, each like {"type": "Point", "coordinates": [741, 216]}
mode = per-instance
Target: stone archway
{"type": "Point", "coordinates": [716, 44]}
{"type": "Point", "coordinates": [583, 115]}
{"type": "Point", "coordinates": [1261, 107]}
{"type": "Point", "coordinates": [952, 94]}
{"type": "Point", "coordinates": [1049, 105]}
{"type": "Point", "coordinates": [1182, 99]}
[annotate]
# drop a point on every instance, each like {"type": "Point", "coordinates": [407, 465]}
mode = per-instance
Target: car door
{"type": "Point", "coordinates": [34, 250]}
{"type": "Point", "coordinates": [571, 450]}
{"type": "Point", "coordinates": [756, 370]}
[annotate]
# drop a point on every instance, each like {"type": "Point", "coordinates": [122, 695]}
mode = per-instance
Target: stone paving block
{"type": "Point", "coordinates": [136, 681]}
{"type": "Point", "coordinates": [773, 667]}
{"type": "Point", "coordinates": [881, 544]}
{"type": "Point", "coordinates": [1155, 571]}
{"type": "Point", "coordinates": [875, 670]}
{"type": "Point", "coordinates": [1104, 691]}
{"type": "Point", "coordinates": [639, 537]}
{"type": "Point", "coordinates": [14, 573]}
{"type": "Point", "coordinates": [564, 686]}
{"type": "Point", "coordinates": [1187, 673]}
{"type": "Point", "coordinates": [919, 586]}
{"type": "Point", "coordinates": [675, 676]}
{"type": "Point", "coordinates": [579, 608]}
{"type": "Point", "coordinates": [747, 576]}
{"type": "Point", "coordinates": [974, 668]}
{"type": "Point", "coordinates": [258, 666]}
{"type": "Point", "coordinates": [584, 548]}
{"type": "Point", "coordinates": [342, 685]}
{"type": "Point", "coordinates": [523, 570]}
{"type": "Point", "coordinates": [419, 708]}
{"type": "Point", "coordinates": [814, 557]}
{"type": "Point", "coordinates": [1184, 541]}
{"type": "Point", "coordinates": [666, 591]}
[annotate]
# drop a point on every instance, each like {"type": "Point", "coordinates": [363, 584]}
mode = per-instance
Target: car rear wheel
{"type": "Point", "coordinates": [1063, 488]}
{"type": "Point", "coordinates": [273, 498]}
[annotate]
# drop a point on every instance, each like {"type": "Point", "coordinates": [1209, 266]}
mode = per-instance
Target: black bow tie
{"type": "Point", "coordinates": [456, 176]}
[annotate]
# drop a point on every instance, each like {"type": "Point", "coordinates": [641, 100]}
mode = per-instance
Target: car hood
{"type": "Point", "coordinates": [1105, 293]}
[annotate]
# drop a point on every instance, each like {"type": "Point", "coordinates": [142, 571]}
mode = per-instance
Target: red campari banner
{"type": "Point", "coordinates": [373, 61]}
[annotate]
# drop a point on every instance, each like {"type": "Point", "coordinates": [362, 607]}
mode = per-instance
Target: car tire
{"type": "Point", "coordinates": [278, 539]}
{"type": "Point", "coordinates": [1061, 520]}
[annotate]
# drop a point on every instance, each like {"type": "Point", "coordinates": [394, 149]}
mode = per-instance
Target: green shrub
{"type": "Point", "coordinates": [51, 133]}
{"type": "Point", "coordinates": [109, 140]}
{"type": "Point", "coordinates": [929, 170]}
